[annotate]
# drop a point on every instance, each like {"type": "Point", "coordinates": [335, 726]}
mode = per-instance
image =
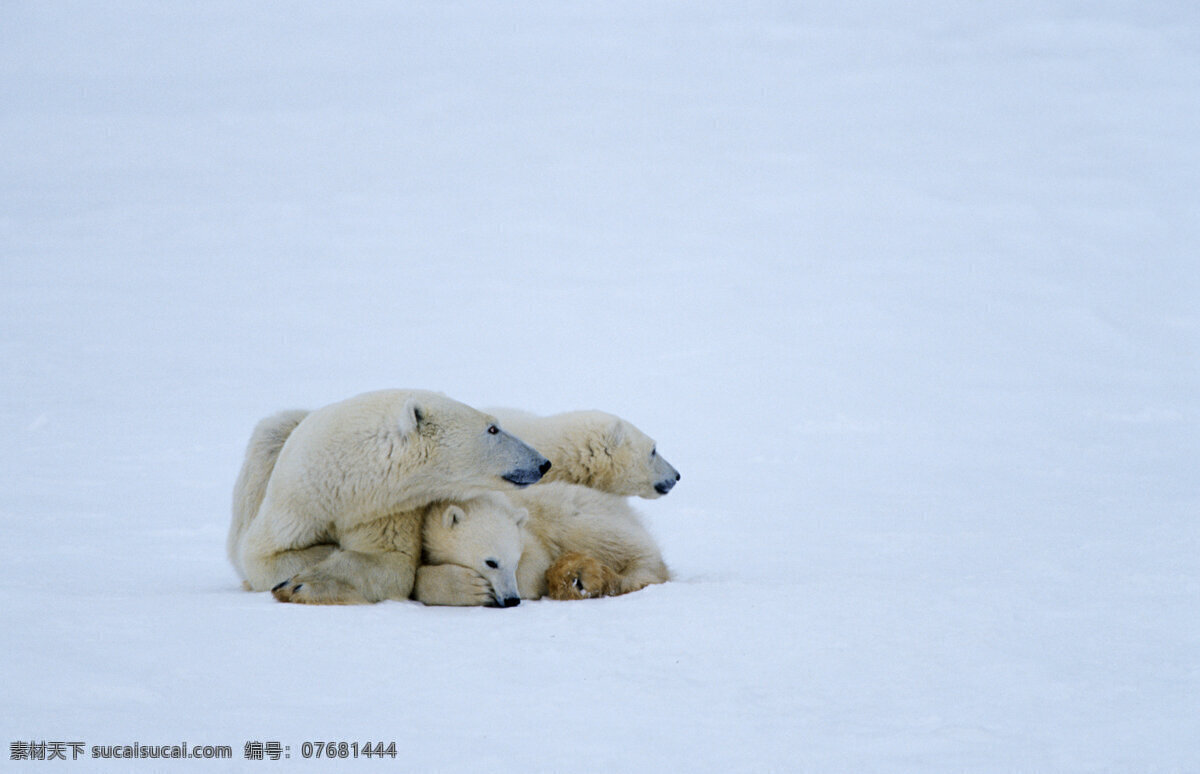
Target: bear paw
{"type": "Point", "coordinates": [578, 576]}
{"type": "Point", "coordinates": [451, 584]}
{"type": "Point", "coordinates": [311, 588]}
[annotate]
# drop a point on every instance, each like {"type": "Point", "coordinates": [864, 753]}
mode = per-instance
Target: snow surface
{"type": "Point", "coordinates": [907, 291]}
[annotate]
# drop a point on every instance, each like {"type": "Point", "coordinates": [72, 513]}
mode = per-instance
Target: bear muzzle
{"type": "Point", "coordinates": [664, 486]}
{"type": "Point", "coordinates": [525, 476]}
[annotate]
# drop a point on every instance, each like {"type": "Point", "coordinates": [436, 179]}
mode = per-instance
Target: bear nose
{"type": "Point", "coordinates": [510, 602]}
{"type": "Point", "coordinates": [544, 467]}
{"type": "Point", "coordinates": [677, 476]}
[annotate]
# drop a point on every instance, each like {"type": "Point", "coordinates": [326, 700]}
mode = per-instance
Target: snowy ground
{"type": "Point", "coordinates": [907, 291]}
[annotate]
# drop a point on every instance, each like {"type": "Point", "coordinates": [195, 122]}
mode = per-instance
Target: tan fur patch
{"type": "Point", "coordinates": [579, 576]}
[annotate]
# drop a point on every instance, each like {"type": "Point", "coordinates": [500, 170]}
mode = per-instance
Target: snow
{"type": "Point", "coordinates": [908, 292]}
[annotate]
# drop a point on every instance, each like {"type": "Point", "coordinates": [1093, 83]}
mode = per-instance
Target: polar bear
{"type": "Point", "coordinates": [327, 507]}
{"type": "Point", "coordinates": [595, 449]}
{"type": "Point", "coordinates": [562, 540]}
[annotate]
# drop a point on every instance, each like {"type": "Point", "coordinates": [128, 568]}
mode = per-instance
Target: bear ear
{"type": "Point", "coordinates": [452, 516]}
{"type": "Point", "coordinates": [616, 432]}
{"type": "Point", "coordinates": [520, 516]}
{"type": "Point", "coordinates": [411, 417]}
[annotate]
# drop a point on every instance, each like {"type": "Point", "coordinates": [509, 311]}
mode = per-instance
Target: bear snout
{"type": "Point", "coordinates": [525, 476]}
{"type": "Point", "coordinates": [522, 478]}
{"type": "Point", "coordinates": [510, 602]}
{"type": "Point", "coordinates": [664, 486]}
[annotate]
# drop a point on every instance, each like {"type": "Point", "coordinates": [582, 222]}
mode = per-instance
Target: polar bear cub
{"type": "Point", "coordinates": [595, 449]}
{"type": "Point", "coordinates": [328, 506]}
{"type": "Point", "coordinates": [498, 548]}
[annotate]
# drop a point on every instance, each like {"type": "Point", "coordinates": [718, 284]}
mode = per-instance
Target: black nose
{"type": "Point", "coordinates": [544, 467]}
{"type": "Point", "coordinates": [677, 476]}
{"type": "Point", "coordinates": [510, 602]}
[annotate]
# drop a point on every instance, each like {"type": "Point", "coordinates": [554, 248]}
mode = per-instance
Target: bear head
{"type": "Point", "coordinates": [455, 445]}
{"type": "Point", "coordinates": [638, 469]}
{"type": "Point", "coordinates": [483, 534]}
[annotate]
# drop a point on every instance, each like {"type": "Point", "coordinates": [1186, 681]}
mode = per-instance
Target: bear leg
{"type": "Point", "coordinates": [263, 572]}
{"type": "Point", "coordinates": [376, 560]}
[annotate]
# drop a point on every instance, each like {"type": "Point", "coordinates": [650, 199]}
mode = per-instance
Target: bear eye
{"type": "Point", "coordinates": [654, 451]}
{"type": "Point", "coordinates": [492, 429]}
{"type": "Point", "coordinates": [492, 563]}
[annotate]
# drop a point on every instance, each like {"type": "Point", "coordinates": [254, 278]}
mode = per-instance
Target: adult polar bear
{"type": "Point", "coordinates": [328, 504]}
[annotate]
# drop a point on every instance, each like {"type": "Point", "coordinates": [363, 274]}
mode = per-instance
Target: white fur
{"type": "Point", "coordinates": [524, 533]}
{"type": "Point", "coordinates": [265, 443]}
{"type": "Point", "coordinates": [333, 507]}
{"type": "Point", "coordinates": [595, 449]}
